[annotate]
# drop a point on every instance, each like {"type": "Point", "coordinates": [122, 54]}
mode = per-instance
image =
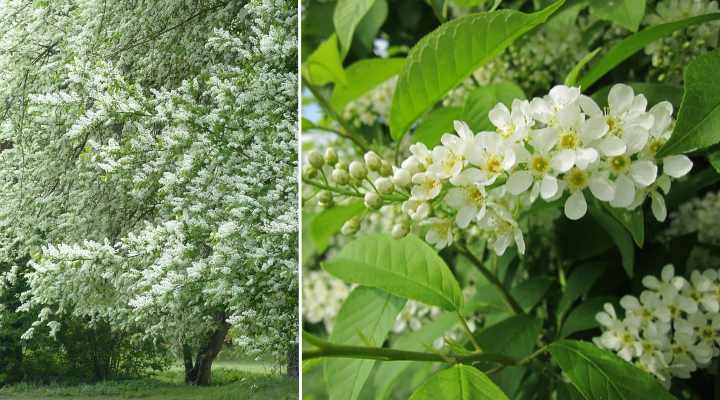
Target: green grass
{"type": "Point", "coordinates": [232, 380]}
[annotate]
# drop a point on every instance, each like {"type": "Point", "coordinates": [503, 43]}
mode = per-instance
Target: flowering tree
{"type": "Point", "coordinates": [150, 172]}
{"type": "Point", "coordinates": [483, 187]}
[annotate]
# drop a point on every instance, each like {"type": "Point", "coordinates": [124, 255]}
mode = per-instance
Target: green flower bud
{"type": "Point", "coordinates": [340, 176]}
{"type": "Point", "coordinates": [401, 178]}
{"type": "Point", "coordinates": [316, 159]}
{"type": "Point", "coordinates": [331, 157]}
{"type": "Point", "coordinates": [399, 231]}
{"type": "Point", "coordinates": [385, 168]}
{"type": "Point", "coordinates": [373, 200]}
{"type": "Point", "coordinates": [357, 170]}
{"type": "Point", "coordinates": [341, 165]}
{"type": "Point", "coordinates": [373, 161]}
{"type": "Point", "coordinates": [350, 226]}
{"type": "Point", "coordinates": [325, 197]}
{"type": "Point", "coordinates": [384, 185]}
{"type": "Point", "coordinates": [309, 171]}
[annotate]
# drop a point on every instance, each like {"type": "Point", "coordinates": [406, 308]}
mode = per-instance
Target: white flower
{"type": "Point", "coordinates": [538, 173]}
{"type": "Point", "coordinates": [513, 125]}
{"type": "Point", "coordinates": [426, 186]}
{"type": "Point", "coordinates": [417, 210]}
{"type": "Point", "coordinates": [440, 233]}
{"type": "Point", "coordinates": [491, 156]}
{"type": "Point", "coordinates": [470, 201]}
{"type": "Point", "coordinates": [504, 230]}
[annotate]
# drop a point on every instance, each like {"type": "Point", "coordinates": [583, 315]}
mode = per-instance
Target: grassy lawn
{"type": "Point", "coordinates": [232, 380]}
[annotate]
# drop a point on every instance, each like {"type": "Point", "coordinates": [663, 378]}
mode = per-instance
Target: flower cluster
{"type": "Point", "coordinates": [322, 296]}
{"type": "Point", "coordinates": [372, 107]}
{"type": "Point", "coordinates": [547, 147]}
{"type": "Point", "coordinates": [699, 215]}
{"type": "Point", "coordinates": [672, 329]}
{"type": "Point", "coordinates": [670, 54]}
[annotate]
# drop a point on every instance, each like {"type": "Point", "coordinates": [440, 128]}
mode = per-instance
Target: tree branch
{"type": "Point", "coordinates": [507, 297]}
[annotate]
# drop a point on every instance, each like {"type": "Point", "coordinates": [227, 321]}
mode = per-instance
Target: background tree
{"type": "Point", "coordinates": [150, 169]}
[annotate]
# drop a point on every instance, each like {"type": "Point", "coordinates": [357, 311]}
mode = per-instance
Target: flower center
{"type": "Point", "coordinates": [507, 130]}
{"type": "Point", "coordinates": [493, 165]}
{"type": "Point", "coordinates": [476, 196]}
{"type": "Point", "coordinates": [619, 164]}
{"type": "Point", "coordinates": [613, 126]}
{"type": "Point", "coordinates": [576, 179]}
{"type": "Point", "coordinates": [568, 140]}
{"type": "Point", "coordinates": [539, 165]}
{"type": "Point", "coordinates": [655, 145]}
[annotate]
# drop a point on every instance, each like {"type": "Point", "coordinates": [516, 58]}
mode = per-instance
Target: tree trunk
{"type": "Point", "coordinates": [201, 372]}
{"type": "Point", "coordinates": [293, 362]}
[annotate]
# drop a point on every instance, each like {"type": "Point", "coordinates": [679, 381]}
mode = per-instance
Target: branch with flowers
{"type": "Point", "coordinates": [513, 192]}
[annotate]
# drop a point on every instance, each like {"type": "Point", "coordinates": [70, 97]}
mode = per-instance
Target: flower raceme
{"type": "Point", "coordinates": [560, 146]}
{"type": "Point", "coordinates": [672, 329]}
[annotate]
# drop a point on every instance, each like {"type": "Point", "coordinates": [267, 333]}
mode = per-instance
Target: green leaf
{"type": "Point", "coordinates": [436, 123]}
{"type": "Point", "coordinates": [513, 337]}
{"type": "Point", "coordinates": [632, 220]}
{"type": "Point", "coordinates": [364, 76]}
{"type": "Point", "coordinates": [459, 382]}
{"type": "Point", "coordinates": [572, 76]}
{"type": "Point", "coordinates": [626, 13]}
{"type": "Point", "coordinates": [714, 159]}
{"type": "Point", "coordinates": [566, 391]}
{"type": "Point", "coordinates": [347, 16]}
{"type": "Point", "coordinates": [420, 340]}
{"type": "Point", "coordinates": [689, 187]}
{"type": "Point", "coordinates": [326, 224]}
{"type": "Point", "coordinates": [698, 121]}
{"type": "Point", "coordinates": [406, 267]}
{"type": "Point", "coordinates": [444, 58]}
{"type": "Point", "coordinates": [582, 317]}
{"type": "Point", "coordinates": [600, 374]}
{"type": "Point", "coordinates": [529, 293]}
{"type": "Point", "coordinates": [580, 282]}
{"type": "Point", "coordinates": [367, 314]}
{"type": "Point", "coordinates": [481, 100]}
{"type": "Point", "coordinates": [324, 65]}
{"type": "Point", "coordinates": [367, 30]}
{"type": "Point", "coordinates": [619, 235]}
{"type": "Point", "coordinates": [636, 42]}
{"type": "Point", "coordinates": [654, 92]}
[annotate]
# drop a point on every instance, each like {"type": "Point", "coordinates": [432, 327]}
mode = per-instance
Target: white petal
{"type": "Point", "coordinates": [563, 160]}
{"type": "Point", "coordinates": [519, 241]}
{"type": "Point", "coordinates": [500, 116]}
{"type": "Point", "coordinates": [575, 206]}
{"type": "Point", "coordinates": [594, 128]}
{"type": "Point", "coordinates": [464, 216]}
{"type": "Point", "coordinates": [548, 187]}
{"type": "Point", "coordinates": [463, 130]}
{"type": "Point", "coordinates": [624, 192]}
{"type": "Point", "coordinates": [519, 182]}
{"type": "Point", "coordinates": [502, 243]}
{"type": "Point", "coordinates": [620, 98]}
{"type": "Point", "coordinates": [612, 146]}
{"type": "Point", "coordinates": [601, 188]}
{"type": "Point", "coordinates": [635, 138]}
{"type": "Point", "coordinates": [677, 166]}
{"type": "Point", "coordinates": [643, 172]}
{"type": "Point", "coordinates": [508, 159]}
{"type": "Point", "coordinates": [589, 106]}
{"type": "Point", "coordinates": [657, 204]}
{"type": "Point", "coordinates": [585, 157]}
{"type": "Point", "coordinates": [544, 139]}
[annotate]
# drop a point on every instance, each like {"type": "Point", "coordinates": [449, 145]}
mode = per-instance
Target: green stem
{"type": "Point", "coordinates": [349, 133]}
{"type": "Point", "coordinates": [504, 293]}
{"type": "Point", "coordinates": [468, 332]}
{"type": "Point", "coordinates": [337, 190]}
{"type": "Point", "coordinates": [327, 349]}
